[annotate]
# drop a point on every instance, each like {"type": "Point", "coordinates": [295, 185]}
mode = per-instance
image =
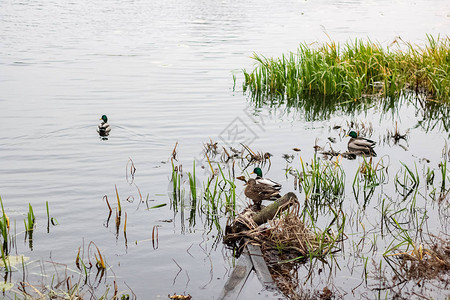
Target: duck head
{"type": "Point", "coordinates": [353, 134]}
{"type": "Point", "coordinates": [258, 172]}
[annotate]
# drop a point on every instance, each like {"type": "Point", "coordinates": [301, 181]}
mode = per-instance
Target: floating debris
{"type": "Point", "coordinates": [256, 157]}
{"type": "Point", "coordinates": [211, 147]}
{"type": "Point", "coordinates": [242, 178]}
{"type": "Point", "coordinates": [180, 297]}
{"type": "Point", "coordinates": [288, 158]}
{"type": "Point", "coordinates": [174, 152]}
{"type": "Point", "coordinates": [397, 136]}
{"type": "Point", "coordinates": [363, 129]}
{"type": "Point", "coordinates": [317, 147]}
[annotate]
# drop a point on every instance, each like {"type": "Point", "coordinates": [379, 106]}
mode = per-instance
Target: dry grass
{"type": "Point", "coordinates": [287, 243]}
{"type": "Point", "coordinates": [426, 263]}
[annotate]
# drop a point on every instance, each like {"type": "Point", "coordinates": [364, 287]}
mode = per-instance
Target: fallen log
{"type": "Point", "coordinates": [245, 221]}
{"type": "Point", "coordinates": [279, 205]}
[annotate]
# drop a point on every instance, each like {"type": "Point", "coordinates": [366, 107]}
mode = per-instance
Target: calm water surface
{"type": "Point", "coordinates": [162, 72]}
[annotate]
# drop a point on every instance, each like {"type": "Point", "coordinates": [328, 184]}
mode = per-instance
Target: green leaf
{"type": "Point", "coordinates": [157, 206]}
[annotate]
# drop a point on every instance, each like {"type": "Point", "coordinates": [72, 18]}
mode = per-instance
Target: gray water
{"type": "Point", "coordinates": [163, 73]}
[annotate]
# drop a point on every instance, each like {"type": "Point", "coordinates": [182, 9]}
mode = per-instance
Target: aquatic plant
{"type": "Point", "coordinates": [417, 261]}
{"type": "Point", "coordinates": [229, 189]}
{"type": "Point", "coordinates": [178, 191]}
{"type": "Point", "coordinates": [406, 181]}
{"type": "Point", "coordinates": [353, 71]}
{"type": "Point", "coordinates": [368, 176]}
{"type": "Point", "coordinates": [322, 181]}
{"type": "Point", "coordinates": [4, 230]}
{"type": "Point", "coordinates": [211, 204]}
{"type": "Point", "coordinates": [30, 217]}
{"type": "Point", "coordinates": [118, 200]}
{"type": "Point", "coordinates": [192, 184]}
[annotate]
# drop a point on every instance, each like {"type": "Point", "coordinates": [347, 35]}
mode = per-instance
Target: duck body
{"type": "Point", "coordinates": [360, 145]}
{"type": "Point", "coordinates": [258, 192]}
{"type": "Point", "coordinates": [103, 128]}
{"type": "Point", "coordinates": [265, 181]}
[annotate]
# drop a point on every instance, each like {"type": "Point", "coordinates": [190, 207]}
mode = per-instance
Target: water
{"type": "Point", "coordinates": [162, 72]}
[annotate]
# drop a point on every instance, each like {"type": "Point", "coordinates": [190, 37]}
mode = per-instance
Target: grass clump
{"type": "Point", "coordinates": [323, 183]}
{"type": "Point", "coordinates": [357, 69]}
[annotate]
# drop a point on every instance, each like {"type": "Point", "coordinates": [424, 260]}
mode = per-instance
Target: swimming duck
{"type": "Point", "coordinates": [104, 128]}
{"type": "Point", "coordinates": [360, 145]}
{"type": "Point", "coordinates": [259, 192]}
{"type": "Point", "coordinates": [259, 179]}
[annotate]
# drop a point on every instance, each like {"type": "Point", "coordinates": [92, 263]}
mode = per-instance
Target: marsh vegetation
{"type": "Point", "coordinates": [386, 222]}
{"type": "Point", "coordinates": [355, 70]}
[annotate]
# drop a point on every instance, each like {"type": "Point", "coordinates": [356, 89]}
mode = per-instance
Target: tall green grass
{"type": "Point", "coordinates": [356, 69]}
{"type": "Point", "coordinates": [29, 226]}
{"type": "Point", "coordinates": [322, 180]}
{"type": "Point", "coordinates": [323, 183]}
{"type": "Point", "coordinates": [407, 181]}
{"type": "Point", "coordinates": [368, 176]}
{"type": "Point", "coordinates": [4, 230]}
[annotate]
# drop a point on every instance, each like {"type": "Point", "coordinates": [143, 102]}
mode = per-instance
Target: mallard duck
{"type": "Point", "coordinates": [104, 128]}
{"type": "Point", "coordinates": [360, 145]}
{"type": "Point", "coordinates": [259, 192]}
{"type": "Point", "coordinates": [259, 179]}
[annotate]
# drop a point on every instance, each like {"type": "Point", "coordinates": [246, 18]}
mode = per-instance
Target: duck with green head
{"type": "Point", "coordinates": [103, 128]}
{"type": "Point", "coordinates": [360, 145]}
{"type": "Point", "coordinates": [261, 180]}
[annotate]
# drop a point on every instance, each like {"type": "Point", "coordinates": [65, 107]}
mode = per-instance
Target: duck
{"type": "Point", "coordinates": [258, 192]}
{"type": "Point", "coordinates": [104, 128]}
{"type": "Point", "coordinates": [261, 180]}
{"type": "Point", "coordinates": [360, 145]}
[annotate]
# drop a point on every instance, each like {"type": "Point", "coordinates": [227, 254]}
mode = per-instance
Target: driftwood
{"type": "Point", "coordinates": [254, 219]}
{"type": "Point", "coordinates": [269, 212]}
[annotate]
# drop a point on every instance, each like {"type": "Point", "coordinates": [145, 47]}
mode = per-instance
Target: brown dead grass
{"type": "Point", "coordinates": [431, 263]}
{"type": "Point", "coordinates": [286, 243]}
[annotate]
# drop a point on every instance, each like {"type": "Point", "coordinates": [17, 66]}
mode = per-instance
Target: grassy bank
{"type": "Point", "coordinates": [354, 70]}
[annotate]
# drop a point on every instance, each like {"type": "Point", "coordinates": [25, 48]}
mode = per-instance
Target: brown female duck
{"type": "Point", "coordinates": [259, 192]}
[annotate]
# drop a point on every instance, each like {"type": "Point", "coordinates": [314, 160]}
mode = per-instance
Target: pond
{"type": "Point", "coordinates": [163, 72]}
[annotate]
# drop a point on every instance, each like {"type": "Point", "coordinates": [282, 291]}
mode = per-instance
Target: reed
{"type": "Point", "coordinates": [4, 229]}
{"type": "Point", "coordinates": [354, 70]}
{"type": "Point", "coordinates": [100, 262]}
{"type": "Point", "coordinates": [404, 239]}
{"type": "Point", "coordinates": [406, 181]}
{"type": "Point", "coordinates": [330, 238]}
{"type": "Point", "coordinates": [48, 216]}
{"type": "Point", "coordinates": [118, 201]}
{"type": "Point", "coordinates": [229, 191]}
{"type": "Point", "coordinates": [192, 184]}
{"type": "Point", "coordinates": [445, 174]}
{"type": "Point", "coordinates": [178, 191]}
{"type": "Point", "coordinates": [211, 206]}
{"type": "Point", "coordinates": [193, 187]}
{"type": "Point", "coordinates": [368, 176]}
{"type": "Point", "coordinates": [29, 226]}
{"type": "Point", "coordinates": [323, 183]}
